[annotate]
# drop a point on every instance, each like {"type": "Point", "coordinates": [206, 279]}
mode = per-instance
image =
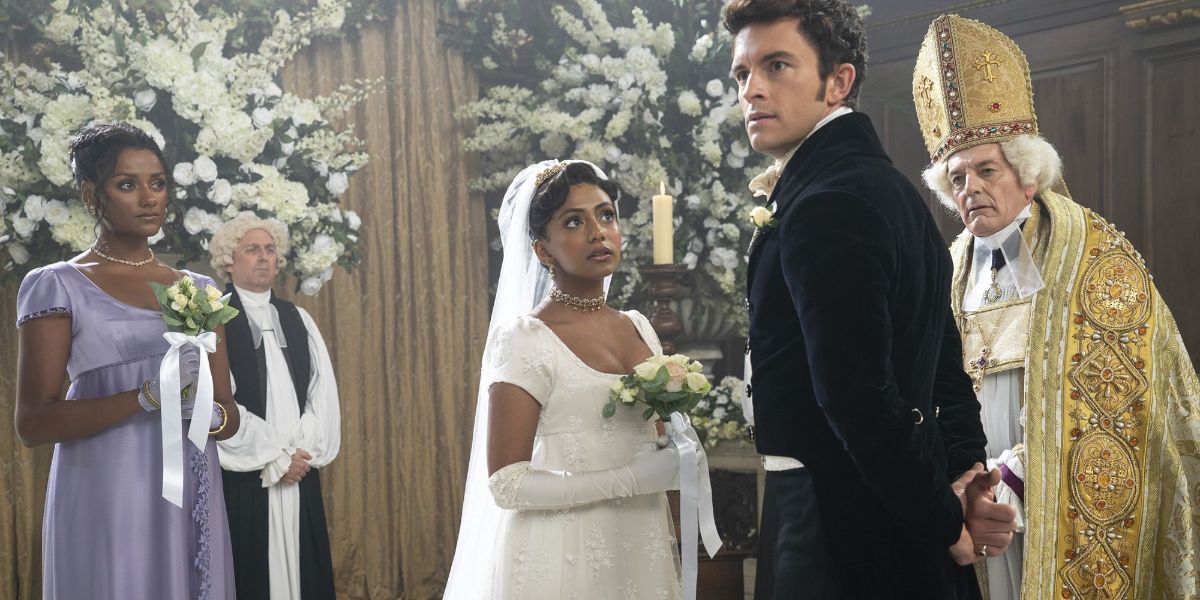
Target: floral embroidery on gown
{"type": "Point", "coordinates": [613, 549]}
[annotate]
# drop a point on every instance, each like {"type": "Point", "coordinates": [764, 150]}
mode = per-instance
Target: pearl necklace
{"type": "Point", "coordinates": [575, 302]}
{"type": "Point", "coordinates": [132, 263]}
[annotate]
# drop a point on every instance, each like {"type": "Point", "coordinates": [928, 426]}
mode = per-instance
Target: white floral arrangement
{"type": "Point", "coordinates": [718, 417]}
{"type": "Point", "coordinates": [648, 102]}
{"type": "Point", "coordinates": [238, 142]}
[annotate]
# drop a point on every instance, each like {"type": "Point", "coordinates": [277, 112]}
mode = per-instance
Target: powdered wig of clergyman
{"type": "Point", "coordinates": [1036, 161]}
{"type": "Point", "coordinates": [226, 239]}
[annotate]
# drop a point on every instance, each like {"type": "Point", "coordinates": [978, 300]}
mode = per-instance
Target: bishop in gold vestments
{"type": "Point", "coordinates": [1089, 400]}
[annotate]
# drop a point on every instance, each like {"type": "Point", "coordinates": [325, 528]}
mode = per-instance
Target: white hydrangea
{"type": "Point", "coordinates": [61, 28]}
{"type": "Point", "coordinates": [78, 231]}
{"type": "Point", "coordinates": [689, 103]}
{"type": "Point", "coordinates": [66, 113]}
{"type": "Point", "coordinates": [700, 49]}
{"type": "Point", "coordinates": [53, 159]}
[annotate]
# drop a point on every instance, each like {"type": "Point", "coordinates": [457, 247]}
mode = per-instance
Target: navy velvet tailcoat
{"type": "Point", "coordinates": [857, 365]}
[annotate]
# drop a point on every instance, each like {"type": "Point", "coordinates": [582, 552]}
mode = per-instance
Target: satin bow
{"type": "Point", "coordinates": [171, 403]}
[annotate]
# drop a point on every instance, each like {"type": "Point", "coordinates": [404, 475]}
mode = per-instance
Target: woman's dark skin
{"type": "Point", "coordinates": [133, 204]}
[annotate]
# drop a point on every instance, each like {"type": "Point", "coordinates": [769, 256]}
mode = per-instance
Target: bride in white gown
{"type": "Point", "coordinates": [562, 503]}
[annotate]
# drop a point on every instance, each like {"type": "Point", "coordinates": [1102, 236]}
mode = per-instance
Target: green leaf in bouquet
{"type": "Point", "coordinates": [649, 413]}
{"type": "Point", "coordinates": [610, 409]}
{"type": "Point", "coordinates": [660, 378]}
{"type": "Point", "coordinates": [171, 321]}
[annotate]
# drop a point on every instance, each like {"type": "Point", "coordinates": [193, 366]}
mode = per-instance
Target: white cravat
{"type": "Point", "coordinates": [764, 185]}
{"type": "Point", "coordinates": [980, 278]}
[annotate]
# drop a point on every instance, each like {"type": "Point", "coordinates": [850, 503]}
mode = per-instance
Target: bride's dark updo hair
{"type": "Point", "coordinates": [552, 194]}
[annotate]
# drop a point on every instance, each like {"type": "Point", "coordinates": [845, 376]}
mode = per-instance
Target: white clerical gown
{"type": "Point", "coordinates": [267, 445]}
{"type": "Point", "coordinates": [1003, 423]}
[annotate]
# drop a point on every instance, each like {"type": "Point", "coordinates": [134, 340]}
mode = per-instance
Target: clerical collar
{"type": "Point", "coordinates": [764, 183]}
{"type": "Point", "coordinates": [994, 241]}
{"type": "Point", "coordinates": [250, 298]}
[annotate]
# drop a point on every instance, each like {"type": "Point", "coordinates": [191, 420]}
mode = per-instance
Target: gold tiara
{"type": "Point", "coordinates": [548, 173]}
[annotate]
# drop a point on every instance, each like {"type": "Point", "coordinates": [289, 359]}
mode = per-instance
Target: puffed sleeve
{"type": "Point", "coordinates": [42, 294]}
{"type": "Point", "coordinates": [519, 353]}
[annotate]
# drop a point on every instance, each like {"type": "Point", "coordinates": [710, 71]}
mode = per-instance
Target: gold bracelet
{"type": "Point", "coordinates": [150, 397]}
{"type": "Point", "coordinates": [224, 420]}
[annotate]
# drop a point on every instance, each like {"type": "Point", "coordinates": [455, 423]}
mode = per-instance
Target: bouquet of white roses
{"type": "Point", "coordinates": [192, 314]}
{"type": "Point", "coordinates": [665, 384]}
{"type": "Point", "coordinates": [190, 309]}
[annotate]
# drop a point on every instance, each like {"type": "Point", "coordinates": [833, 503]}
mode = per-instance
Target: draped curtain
{"type": "Point", "coordinates": [405, 330]}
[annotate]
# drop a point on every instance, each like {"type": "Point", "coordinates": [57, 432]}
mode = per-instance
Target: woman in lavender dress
{"type": "Point", "coordinates": [108, 534]}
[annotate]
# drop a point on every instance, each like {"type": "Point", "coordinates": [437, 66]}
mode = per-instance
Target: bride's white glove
{"type": "Point", "coordinates": [519, 487]}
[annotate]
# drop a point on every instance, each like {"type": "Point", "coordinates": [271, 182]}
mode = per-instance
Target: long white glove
{"type": "Point", "coordinates": [519, 487]}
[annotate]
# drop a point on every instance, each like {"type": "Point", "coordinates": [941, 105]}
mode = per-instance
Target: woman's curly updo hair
{"type": "Point", "coordinates": [94, 151]}
{"type": "Point", "coordinates": [553, 192]}
{"type": "Point", "coordinates": [834, 28]}
{"type": "Point", "coordinates": [95, 148]}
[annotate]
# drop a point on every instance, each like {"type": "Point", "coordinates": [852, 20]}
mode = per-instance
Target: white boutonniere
{"type": "Point", "coordinates": [763, 217]}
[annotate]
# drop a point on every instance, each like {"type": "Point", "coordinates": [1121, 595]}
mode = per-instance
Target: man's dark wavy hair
{"type": "Point", "coordinates": [832, 26]}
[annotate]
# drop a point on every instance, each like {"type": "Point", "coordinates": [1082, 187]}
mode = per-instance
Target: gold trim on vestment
{"type": "Point", "coordinates": [1112, 422]}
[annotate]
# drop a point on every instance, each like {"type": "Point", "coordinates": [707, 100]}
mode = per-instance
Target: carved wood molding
{"type": "Point", "coordinates": [929, 15]}
{"type": "Point", "coordinates": [1154, 15]}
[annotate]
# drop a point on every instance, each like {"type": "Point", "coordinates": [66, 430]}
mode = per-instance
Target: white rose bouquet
{"type": "Point", "coordinates": [190, 309]}
{"type": "Point", "coordinates": [665, 384]}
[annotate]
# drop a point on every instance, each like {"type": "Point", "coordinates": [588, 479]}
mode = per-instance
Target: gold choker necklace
{"type": "Point", "coordinates": [575, 302]}
{"type": "Point", "coordinates": [133, 263]}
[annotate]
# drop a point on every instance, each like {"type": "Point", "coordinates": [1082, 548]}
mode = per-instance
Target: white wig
{"type": "Point", "coordinates": [226, 239]}
{"type": "Point", "coordinates": [1036, 161]}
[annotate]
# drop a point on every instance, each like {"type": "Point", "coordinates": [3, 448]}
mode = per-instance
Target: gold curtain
{"type": "Point", "coordinates": [405, 330]}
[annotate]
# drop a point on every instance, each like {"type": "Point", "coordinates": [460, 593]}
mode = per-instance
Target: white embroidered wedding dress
{"type": "Point", "coordinates": [609, 550]}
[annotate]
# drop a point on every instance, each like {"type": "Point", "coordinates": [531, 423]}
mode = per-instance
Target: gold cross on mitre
{"type": "Point", "coordinates": [985, 62]}
{"type": "Point", "coordinates": [925, 92]}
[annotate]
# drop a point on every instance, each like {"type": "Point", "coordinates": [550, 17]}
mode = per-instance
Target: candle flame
{"type": "Point", "coordinates": [662, 188]}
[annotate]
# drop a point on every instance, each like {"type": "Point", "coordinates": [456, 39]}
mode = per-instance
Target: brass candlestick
{"type": "Point", "coordinates": [662, 281]}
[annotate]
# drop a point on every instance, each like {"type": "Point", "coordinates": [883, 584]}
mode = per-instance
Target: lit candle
{"type": "Point", "coordinates": [664, 228]}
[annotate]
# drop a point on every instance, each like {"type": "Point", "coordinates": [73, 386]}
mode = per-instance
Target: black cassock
{"type": "Point", "coordinates": [245, 496]}
{"type": "Point", "coordinates": [857, 373]}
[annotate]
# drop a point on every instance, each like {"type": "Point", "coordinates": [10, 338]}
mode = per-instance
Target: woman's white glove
{"type": "Point", "coordinates": [519, 487]}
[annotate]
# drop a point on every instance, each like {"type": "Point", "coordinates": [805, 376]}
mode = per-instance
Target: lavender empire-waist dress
{"type": "Point", "coordinates": [108, 534]}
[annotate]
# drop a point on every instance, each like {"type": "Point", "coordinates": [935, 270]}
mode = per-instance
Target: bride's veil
{"type": "Point", "coordinates": [523, 283]}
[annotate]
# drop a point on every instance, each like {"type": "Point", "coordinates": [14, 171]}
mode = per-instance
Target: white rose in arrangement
{"type": "Point", "coordinates": [696, 381]}
{"type": "Point", "coordinates": [310, 286]}
{"type": "Point", "coordinates": [337, 183]}
{"type": "Point", "coordinates": [718, 412]}
{"type": "Point", "coordinates": [35, 208]}
{"type": "Point", "coordinates": [18, 252]}
{"type": "Point", "coordinates": [156, 238]}
{"type": "Point", "coordinates": [145, 100]}
{"type": "Point", "coordinates": [263, 117]}
{"type": "Point", "coordinates": [353, 220]}
{"type": "Point", "coordinates": [56, 212]}
{"type": "Point", "coordinates": [195, 220]}
{"type": "Point", "coordinates": [220, 192]}
{"type": "Point", "coordinates": [204, 168]}
{"type": "Point", "coordinates": [24, 227]}
{"type": "Point", "coordinates": [715, 88]}
{"type": "Point", "coordinates": [183, 174]}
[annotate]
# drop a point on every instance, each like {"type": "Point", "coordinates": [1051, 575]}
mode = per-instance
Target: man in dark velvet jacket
{"type": "Point", "coordinates": [868, 425]}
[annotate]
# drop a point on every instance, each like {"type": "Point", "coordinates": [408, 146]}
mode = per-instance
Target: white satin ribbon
{"type": "Point", "coordinates": [695, 502]}
{"type": "Point", "coordinates": [171, 409]}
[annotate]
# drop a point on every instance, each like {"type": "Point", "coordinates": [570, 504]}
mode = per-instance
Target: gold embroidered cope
{"type": "Point", "coordinates": [1113, 421]}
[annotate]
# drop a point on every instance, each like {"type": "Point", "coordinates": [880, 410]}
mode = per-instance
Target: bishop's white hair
{"type": "Point", "coordinates": [1035, 159]}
